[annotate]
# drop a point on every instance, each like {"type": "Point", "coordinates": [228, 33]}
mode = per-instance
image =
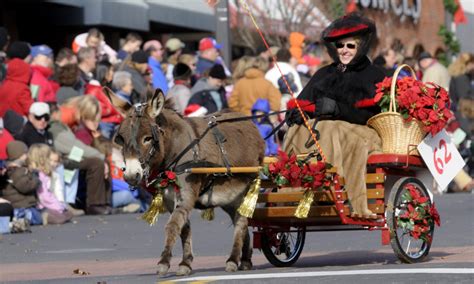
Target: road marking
{"type": "Point", "coordinates": [330, 273]}
{"type": "Point", "coordinates": [78, 250]}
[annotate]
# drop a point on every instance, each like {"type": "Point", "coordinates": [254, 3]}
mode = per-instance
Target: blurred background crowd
{"type": "Point", "coordinates": [57, 159]}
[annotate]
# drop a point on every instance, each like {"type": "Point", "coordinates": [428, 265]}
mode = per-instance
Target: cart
{"type": "Point", "coordinates": [281, 236]}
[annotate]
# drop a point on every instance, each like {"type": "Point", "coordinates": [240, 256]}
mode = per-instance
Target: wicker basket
{"type": "Point", "coordinates": [398, 136]}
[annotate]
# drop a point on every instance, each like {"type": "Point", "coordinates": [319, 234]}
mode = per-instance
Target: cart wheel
{"type": "Point", "coordinates": [407, 249]}
{"type": "Point", "coordinates": [283, 249]}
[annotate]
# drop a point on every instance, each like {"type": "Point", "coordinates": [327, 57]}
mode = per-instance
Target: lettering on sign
{"type": "Point", "coordinates": [402, 8]}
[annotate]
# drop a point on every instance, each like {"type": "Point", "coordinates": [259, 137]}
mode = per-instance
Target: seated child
{"type": "Point", "coordinates": [22, 183]}
{"type": "Point", "coordinates": [54, 212]}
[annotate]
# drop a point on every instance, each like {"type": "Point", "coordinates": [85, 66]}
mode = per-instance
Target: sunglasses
{"type": "Point", "coordinates": [44, 116]}
{"type": "Point", "coordinates": [348, 45]}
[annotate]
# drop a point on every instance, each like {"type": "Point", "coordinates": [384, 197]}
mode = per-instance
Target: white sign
{"type": "Point", "coordinates": [441, 157]}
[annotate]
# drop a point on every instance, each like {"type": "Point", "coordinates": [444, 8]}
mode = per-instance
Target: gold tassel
{"type": "Point", "coordinates": [247, 207]}
{"type": "Point", "coordinates": [156, 206]}
{"type": "Point", "coordinates": [305, 204]}
{"type": "Point", "coordinates": [208, 214]}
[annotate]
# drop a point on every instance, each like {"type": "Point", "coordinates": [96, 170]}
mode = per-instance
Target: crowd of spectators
{"type": "Point", "coordinates": [57, 119]}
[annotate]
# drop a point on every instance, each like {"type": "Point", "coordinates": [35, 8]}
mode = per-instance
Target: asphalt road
{"type": "Point", "coordinates": [124, 249]}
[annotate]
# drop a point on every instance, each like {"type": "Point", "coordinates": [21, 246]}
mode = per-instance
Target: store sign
{"type": "Point", "coordinates": [402, 8]}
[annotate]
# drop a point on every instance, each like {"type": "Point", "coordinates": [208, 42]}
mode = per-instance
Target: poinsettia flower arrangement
{"type": "Point", "coordinates": [289, 171]}
{"type": "Point", "coordinates": [418, 215]}
{"type": "Point", "coordinates": [166, 179]}
{"type": "Point", "coordinates": [426, 102]}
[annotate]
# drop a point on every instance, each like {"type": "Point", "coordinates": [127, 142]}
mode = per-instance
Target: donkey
{"type": "Point", "coordinates": [153, 135]}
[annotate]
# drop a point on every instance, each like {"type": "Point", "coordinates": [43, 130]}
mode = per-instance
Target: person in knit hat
{"type": "Point", "coordinates": [209, 92]}
{"type": "Point", "coordinates": [21, 188]}
{"type": "Point", "coordinates": [180, 93]}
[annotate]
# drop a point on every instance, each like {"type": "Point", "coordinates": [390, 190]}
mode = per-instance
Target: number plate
{"type": "Point", "coordinates": [441, 157]}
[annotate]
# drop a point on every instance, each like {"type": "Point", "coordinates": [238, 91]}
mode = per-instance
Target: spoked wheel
{"type": "Point", "coordinates": [407, 248]}
{"type": "Point", "coordinates": [282, 249]}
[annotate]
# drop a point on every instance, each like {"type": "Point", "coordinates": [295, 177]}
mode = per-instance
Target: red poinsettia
{"type": "Point", "coordinates": [294, 172]}
{"type": "Point", "coordinates": [417, 214]}
{"type": "Point", "coordinates": [166, 179]}
{"type": "Point", "coordinates": [428, 103]}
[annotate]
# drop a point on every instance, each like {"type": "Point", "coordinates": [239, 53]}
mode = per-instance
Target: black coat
{"type": "Point", "coordinates": [352, 90]}
{"type": "Point", "coordinates": [29, 135]}
{"type": "Point", "coordinates": [205, 99]}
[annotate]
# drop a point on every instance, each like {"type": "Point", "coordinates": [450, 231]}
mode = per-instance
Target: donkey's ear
{"type": "Point", "coordinates": [119, 104]}
{"type": "Point", "coordinates": [156, 103]}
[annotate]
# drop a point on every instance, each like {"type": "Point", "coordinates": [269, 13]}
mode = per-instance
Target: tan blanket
{"type": "Point", "coordinates": [346, 146]}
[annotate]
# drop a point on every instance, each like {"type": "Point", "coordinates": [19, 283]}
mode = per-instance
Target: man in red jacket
{"type": "Point", "coordinates": [14, 91]}
{"type": "Point", "coordinates": [43, 88]}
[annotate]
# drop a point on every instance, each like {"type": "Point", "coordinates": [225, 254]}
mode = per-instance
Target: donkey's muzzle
{"type": "Point", "coordinates": [133, 179]}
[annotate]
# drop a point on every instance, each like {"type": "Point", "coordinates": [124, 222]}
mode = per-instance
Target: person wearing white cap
{"type": "Point", "coordinates": [35, 130]}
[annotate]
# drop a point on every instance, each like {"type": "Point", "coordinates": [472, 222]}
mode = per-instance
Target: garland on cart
{"type": "Point", "coordinates": [419, 215]}
{"type": "Point", "coordinates": [289, 171]}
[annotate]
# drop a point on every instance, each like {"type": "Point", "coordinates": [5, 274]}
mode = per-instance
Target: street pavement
{"type": "Point", "coordinates": [124, 249]}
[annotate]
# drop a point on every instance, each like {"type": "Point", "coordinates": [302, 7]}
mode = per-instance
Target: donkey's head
{"type": "Point", "coordinates": [141, 138]}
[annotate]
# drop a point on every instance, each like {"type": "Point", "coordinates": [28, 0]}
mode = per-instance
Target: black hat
{"type": "Point", "coordinates": [18, 49]}
{"type": "Point", "coordinates": [3, 37]}
{"type": "Point", "coordinates": [182, 71]}
{"type": "Point", "coordinates": [348, 26]}
{"type": "Point", "coordinates": [424, 55]}
{"type": "Point", "coordinates": [140, 56]}
{"type": "Point", "coordinates": [352, 25]}
{"type": "Point", "coordinates": [218, 72]}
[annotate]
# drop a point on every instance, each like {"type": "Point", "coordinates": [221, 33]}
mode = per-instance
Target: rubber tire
{"type": "Point", "coordinates": [267, 250]}
{"type": "Point", "coordinates": [391, 222]}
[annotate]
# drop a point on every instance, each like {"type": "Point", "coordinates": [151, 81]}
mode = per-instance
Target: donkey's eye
{"type": "Point", "coordinates": [147, 139]}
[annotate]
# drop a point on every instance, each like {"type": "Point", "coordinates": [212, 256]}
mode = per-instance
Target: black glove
{"type": "Point", "coordinates": [293, 116]}
{"type": "Point", "coordinates": [326, 106]}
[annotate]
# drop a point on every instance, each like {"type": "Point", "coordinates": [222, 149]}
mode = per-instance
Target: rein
{"type": "Point", "coordinates": [213, 122]}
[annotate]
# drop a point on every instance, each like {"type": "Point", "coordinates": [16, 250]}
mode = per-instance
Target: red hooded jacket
{"type": "Point", "coordinates": [109, 113]}
{"type": "Point", "coordinates": [14, 91]}
{"type": "Point", "coordinates": [46, 88]}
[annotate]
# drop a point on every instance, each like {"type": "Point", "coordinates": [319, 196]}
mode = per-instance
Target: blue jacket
{"type": "Point", "coordinates": [159, 78]}
{"type": "Point", "coordinates": [264, 126]}
{"type": "Point", "coordinates": [203, 65]}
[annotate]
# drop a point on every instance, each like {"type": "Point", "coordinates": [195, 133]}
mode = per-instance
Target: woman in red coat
{"type": "Point", "coordinates": [14, 91]}
{"type": "Point", "coordinates": [110, 117]}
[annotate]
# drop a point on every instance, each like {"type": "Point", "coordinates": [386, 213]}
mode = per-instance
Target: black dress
{"type": "Point", "coordinates": [352, 88]}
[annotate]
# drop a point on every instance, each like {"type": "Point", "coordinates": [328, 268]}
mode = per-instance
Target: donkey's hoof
{"type": "Point", "coordinates": [183, 270]}
{"type": "Point", "coordinates": [162, 269]}
{"type": "Point", "coordinates": [231, 266]}
{"type": "Point", "coordinates": [245, 265]}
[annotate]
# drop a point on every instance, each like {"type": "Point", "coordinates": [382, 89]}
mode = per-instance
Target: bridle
{"type": "Point", "coordinates": [155, 129]}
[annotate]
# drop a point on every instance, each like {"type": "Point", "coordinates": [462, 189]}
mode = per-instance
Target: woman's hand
{"type": "Point", "coordinates": [293, 116]}
{"type": "Point", "coordinates": [326, 106]}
